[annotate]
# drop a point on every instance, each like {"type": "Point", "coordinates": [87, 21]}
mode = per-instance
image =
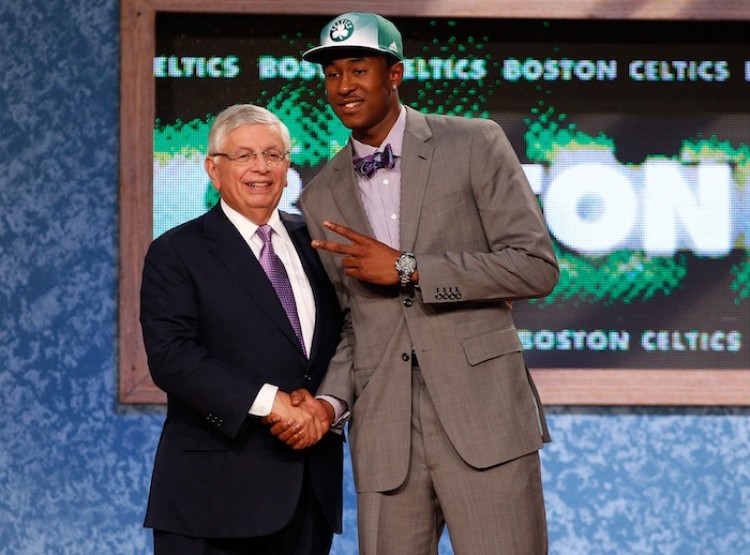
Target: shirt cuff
{"type": "Point", "coordinates": [263, 403]}
{"type": "Point", "coordinates": [340, 409]}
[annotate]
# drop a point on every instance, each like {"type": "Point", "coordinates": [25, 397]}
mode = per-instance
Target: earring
{"type": "Point", "coordinates": [393, 87]}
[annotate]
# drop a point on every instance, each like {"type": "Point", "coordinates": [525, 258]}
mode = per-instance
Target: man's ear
{"type": "Point", "coordinates": [396, 74]}
{"type": "Point", "coordinates": [210, 167]}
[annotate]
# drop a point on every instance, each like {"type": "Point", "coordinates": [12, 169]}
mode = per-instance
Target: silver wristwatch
{"type": "Point", "coordinates": [406, 265]}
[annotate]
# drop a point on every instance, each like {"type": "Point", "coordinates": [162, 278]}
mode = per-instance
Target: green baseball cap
{"type": "Point", "coordinates": [357, 31]}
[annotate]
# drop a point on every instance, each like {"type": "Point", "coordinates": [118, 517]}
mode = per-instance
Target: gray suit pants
{"type": "Point", "coordinates": [493, 511]}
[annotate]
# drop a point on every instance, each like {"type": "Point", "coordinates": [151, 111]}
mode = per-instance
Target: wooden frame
{"type": "Point", "coordinates": [137, 113]}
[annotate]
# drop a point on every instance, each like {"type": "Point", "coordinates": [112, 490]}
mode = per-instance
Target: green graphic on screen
{"type": "Point", "coordinates": [639, 154]}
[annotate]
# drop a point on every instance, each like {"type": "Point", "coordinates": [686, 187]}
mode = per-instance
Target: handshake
{"type": "Point", "coordinates": [299, 419]}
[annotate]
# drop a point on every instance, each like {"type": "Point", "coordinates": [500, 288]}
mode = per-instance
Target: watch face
{"type": "Point", "coordinates": [407, 264]}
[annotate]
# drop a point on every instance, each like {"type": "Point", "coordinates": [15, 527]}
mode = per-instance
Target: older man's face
{"type": "Point", "coordinates": [249, 182]}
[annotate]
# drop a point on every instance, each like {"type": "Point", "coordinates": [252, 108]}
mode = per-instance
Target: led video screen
{"type": "Point", "coordinates": [635, 136]}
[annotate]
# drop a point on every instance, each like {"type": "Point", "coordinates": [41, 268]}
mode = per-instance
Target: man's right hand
{"type": "Point", "coordinates": [323, 409]}
{"type": "Point", "coordinates": [299, 420]}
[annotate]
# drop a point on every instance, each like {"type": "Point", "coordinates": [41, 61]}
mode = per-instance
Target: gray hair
{"type": "Point", "coordinates": [239, 115]}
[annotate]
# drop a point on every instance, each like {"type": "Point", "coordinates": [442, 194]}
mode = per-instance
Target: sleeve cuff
{"type": "Point", "coordinates": [340, 410]}
{"type": "Point", "coordinates": [263, 403]}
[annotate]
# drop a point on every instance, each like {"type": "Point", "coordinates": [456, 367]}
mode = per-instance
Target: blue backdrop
{"type": "Point", "coordinates": [75, 465]}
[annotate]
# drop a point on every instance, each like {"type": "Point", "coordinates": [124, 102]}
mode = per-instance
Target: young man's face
{"type": "Point", "coordinates": [363, 93]}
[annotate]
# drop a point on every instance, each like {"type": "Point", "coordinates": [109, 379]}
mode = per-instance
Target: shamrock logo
{"type": "Point", "coordinates": [341, 30]}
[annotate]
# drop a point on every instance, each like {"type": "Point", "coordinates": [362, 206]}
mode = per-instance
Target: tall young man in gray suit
{"type": "Point", "coordinates": [227, 350]}
{"type": "Point", "coordinates": [428, 229]}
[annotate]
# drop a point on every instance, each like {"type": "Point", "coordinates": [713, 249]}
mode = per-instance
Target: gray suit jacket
{"type": "Point", "coordinates": [470, 217]}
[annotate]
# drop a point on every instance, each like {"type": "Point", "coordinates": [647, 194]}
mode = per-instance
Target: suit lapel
{"type": "Point", "coordinates": [227, 245]}
{"type": "Point", "coordinates": [415, 168]}
{"type": "Point", "coordinates": [345, 193]}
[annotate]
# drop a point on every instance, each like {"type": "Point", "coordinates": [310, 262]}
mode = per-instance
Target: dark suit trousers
{"type": "Point", "coordinates": [307, 533]}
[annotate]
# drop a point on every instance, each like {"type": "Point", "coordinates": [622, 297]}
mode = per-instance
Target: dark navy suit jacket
{"type": "Point", "coordinates": [215, 332]}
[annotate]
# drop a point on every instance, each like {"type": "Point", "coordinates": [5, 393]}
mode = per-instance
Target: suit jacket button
{"type": "Point", "coordinates": [308, 377]}
{"type": "Point", "coordinates": [408, 302]}
{"type": "Point", "coordinates": [404, 357]}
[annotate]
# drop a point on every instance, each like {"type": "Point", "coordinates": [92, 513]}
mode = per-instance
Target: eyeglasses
{"type": "Point", "coordinates": [272, 157]}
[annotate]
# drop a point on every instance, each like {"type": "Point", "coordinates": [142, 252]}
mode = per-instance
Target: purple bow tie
{"type": "Point", "coordinates": [368, 165]}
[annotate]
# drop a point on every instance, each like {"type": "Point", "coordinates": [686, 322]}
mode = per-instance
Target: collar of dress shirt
{"type": "Point", "coordinates": [395, 138]}
{"type": "Point", "coordinates": [247, 228]}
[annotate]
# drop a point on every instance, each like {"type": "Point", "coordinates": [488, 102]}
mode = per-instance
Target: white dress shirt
{"type": "Point", "coordinates": [301, 287]}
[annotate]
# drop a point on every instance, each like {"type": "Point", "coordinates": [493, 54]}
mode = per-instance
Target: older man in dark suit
{"type": "Point", "coordinates": [237, 312]}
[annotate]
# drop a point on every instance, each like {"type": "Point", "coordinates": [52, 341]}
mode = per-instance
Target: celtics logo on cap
{"type": "Point", "coordinates": [341, 30]}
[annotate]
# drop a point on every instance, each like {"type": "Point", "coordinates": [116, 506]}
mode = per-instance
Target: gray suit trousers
{"type": "Point", "coordinates": [493, 511]}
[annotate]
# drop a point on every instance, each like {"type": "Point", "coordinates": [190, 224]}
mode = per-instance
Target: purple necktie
{"type": "Point", "coordinates": [368, 165]}
{"type": "Point", "coordinates": [276, 272]}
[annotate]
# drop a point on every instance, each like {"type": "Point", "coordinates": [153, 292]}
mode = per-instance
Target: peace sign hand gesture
{"type": "Point", "coordinates": [366, 259]}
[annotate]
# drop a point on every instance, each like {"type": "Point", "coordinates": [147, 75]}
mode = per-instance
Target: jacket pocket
{"type": "Point", "coordinates": [491, 344]}
{"type": "Point", "coordinates": [194, 440]}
